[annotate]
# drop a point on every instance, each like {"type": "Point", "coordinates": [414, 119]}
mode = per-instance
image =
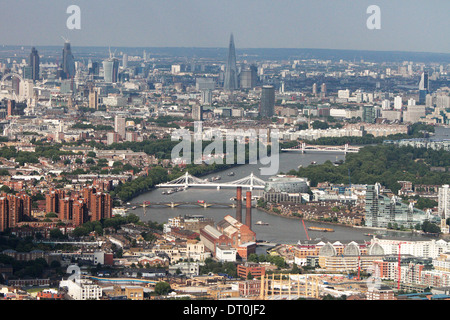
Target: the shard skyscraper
{"type": "Point", "coordinates": [231, 74]}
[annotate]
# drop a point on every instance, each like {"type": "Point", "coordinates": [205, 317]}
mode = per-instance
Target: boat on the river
{"type": "Point", "coordinates": [230, 174]}
{"type": "Point", "coordinates": [320, 229]}
{"type": "Point", "coordinates": [260, 223]}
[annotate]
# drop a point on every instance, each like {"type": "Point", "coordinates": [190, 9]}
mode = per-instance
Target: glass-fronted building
{"type": "Point", "coordinates": [382, 211]}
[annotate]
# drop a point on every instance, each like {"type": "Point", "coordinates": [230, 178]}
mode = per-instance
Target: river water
{"type": "Point", "coordinates": [279, 229]}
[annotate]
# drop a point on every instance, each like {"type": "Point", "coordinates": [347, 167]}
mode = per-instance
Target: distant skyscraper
{"type": "Point", "coordinates": [444, 201]}
{"type": "Point", "coordinates": [323, 90]}
{"type": "Point", "coordinates": [93, 98]}
{"type": "Point", "coordinates": [267, 104]}
{"type": "Point", "coordinates": [119, 126]}
{"type": "Point", "coordinates": [368, 114]}
{"type": "Point", "coordinates": [423, 88]}
{"type": "Point", "coordinates": [231, 73]}
{"type": "Point", "coordinates": [111, 70]}
{"type": "Point", "coordinates": [197, 112]}
{"type": "Point", "coordinates": [27, 72]}
{"type": "Point", "coordinates": [398, 102]}
{"type": "Point", "coordinates": [125, 60]}
{"type": "Point", "coordinates": [206, 97]}
{"type": "Point", "coordinates": [314, 89]}
{"type": "Point", "coordinates": [93, 68]}
{"type": "Point", "coordinates": [205, 83]}
{"type": "Point", "coordinates": [34, 64]}
{"type": "Point", "coordinates": [248, 77]}
{"type": "Point", "coordinates": [68, 62]}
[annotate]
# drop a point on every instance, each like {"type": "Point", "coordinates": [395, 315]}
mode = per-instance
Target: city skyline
{"type": "Point", "coordinates": [263, 24]}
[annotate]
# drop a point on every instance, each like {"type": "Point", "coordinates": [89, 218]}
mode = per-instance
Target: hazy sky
{"type": "Point", "coordinates": [406, 25]}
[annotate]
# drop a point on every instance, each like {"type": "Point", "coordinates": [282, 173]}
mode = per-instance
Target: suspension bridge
{"type": "Point", "coordinates": [185, 181]}
{"type": "Point", "coordinates": [177, 204]}
{"type": "Point", "coordinates": [303, 147]}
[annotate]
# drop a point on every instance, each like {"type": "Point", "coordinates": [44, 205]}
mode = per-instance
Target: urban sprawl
{"type": "Point", "coordinates": [87, 131]}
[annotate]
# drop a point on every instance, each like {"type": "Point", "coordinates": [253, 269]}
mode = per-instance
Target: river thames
{"type": "Point", "coordinates": [280, 229]}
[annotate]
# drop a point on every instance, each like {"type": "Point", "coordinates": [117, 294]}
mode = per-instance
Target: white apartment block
{"type": "Point", "coordinates": [423, 249]}
{"type": "Point", "coordinates": [82, 289]}
{"type": "Point", "coordinates": [187, 268]}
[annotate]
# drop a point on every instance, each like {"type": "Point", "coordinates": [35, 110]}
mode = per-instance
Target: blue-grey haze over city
{"type": "Point", "coordinates": [406, 25]}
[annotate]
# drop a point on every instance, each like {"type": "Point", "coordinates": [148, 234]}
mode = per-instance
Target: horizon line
{"type": "Point", "coordinates": [225, 48]}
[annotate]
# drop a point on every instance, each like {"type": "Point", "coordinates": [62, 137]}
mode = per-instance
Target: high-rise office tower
{"type": "Point", "coordinates": [68, 62]}
{"type": "Point", "coordinates": [267, 104]}
{"type": "Point", "coordinates": [248, 77]}
{"type": "Point", "coordinates": [205, 83]}
{"type": "Point", "coordinates": [119, 126]}
{"type": "Point", "coordinates": [111, 70]}
{"type": "Point", "coordinates": [34, 64]}
{"type": "Point", "coordinates": [27, 72]}
{"type": "Point", "coordinates": [231, 74]}
{"type": "Point", "coordinates": [197, 112]}
{"type": "Point", "coordinates": [368, 114]}
{"type": "Point", "coordinates": [125, 60]}
{"type": "Point", "coordinates": [93, 68]}
{"type": "Point", "coordinates": [423, 87]}
{"type": "Point", "coordinates": [206, 97]}
{"type": "Point", "coordinates": [93, 98]}
{"type": "Point", "coordinates": [444, 201]}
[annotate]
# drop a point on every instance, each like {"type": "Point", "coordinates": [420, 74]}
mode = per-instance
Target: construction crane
{"type": "Point", "coordinates": [359, 267]}
{"type": "Point", "coordinates": [306, 230]}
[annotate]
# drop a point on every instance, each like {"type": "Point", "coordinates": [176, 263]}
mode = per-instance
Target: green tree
{"type": "Point", "coordinates": [162, 288]}
{"type": "Point", "coordinates": [57, 234]}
